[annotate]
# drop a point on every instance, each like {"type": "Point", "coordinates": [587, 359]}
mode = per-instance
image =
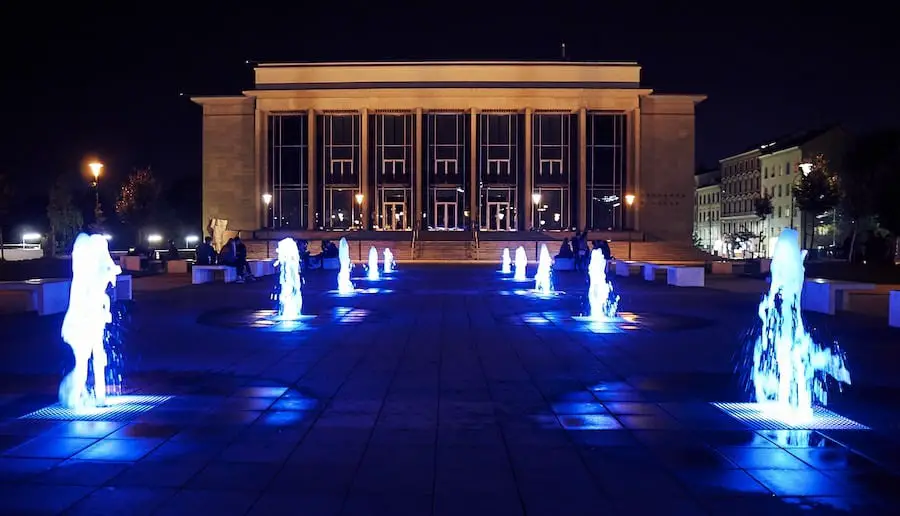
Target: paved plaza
{"type": "Point", "coordinates": [445, 390]}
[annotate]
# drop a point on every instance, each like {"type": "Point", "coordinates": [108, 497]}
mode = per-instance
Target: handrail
{"type": "Point", "coordinates": [412, 249]}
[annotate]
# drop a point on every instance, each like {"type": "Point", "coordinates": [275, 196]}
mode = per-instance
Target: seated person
{"type": "Point", "coordinates": [206, 255]}
{"type": "Point", "coordinates": [172, 251]}
{"type": "Point", "coordinates": [240, 254]}
{"type": "Point", "coordinates": [329, 250]}
{"type": "Point", "coordinates": [565, 250]}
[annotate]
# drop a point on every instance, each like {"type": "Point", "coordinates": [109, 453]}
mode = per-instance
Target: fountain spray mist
{"type": "Point", "coordinates": [290, 297]}
{"type": "Point", "coordinates": [506, 266]}
{"type": "Point", "coordinates": [388, 261]}
{"type": "Point", "coordinates": [603, 303]}
{"type": "Point", "coordinates": [345, 286]}
{"type": "Point", "coordinates": [84, 325]}
{"type": "Point", "coordinates": [542, 277]}
{"type": "Point", "coordinates": [373, 264]}
{"type": "Point", "coordinates": [521, 264]}
{"type": "Point", "coordinates": [790, 370]}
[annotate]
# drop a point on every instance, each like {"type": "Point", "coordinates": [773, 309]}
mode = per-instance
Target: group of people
{"type": "Point", "coordinates": [577, 249]}
{"type": "Point", "coordinates": [232, 254]}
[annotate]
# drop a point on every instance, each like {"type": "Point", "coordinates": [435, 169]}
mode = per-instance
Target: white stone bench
{"type": "Point", "coordinates": [894, 309]}
{"type": "Point", "coordinates": [46, 296]}
{"type": "Point", "coordinates": [130, 263]}
{"type": "Point", "coordinates": [623, 268]}
{"type": "Point", "coordinates": [650, 269]}
{"type": "Point", "coordinates": [722, 268]}
{"type": "Point", "coordinates": [207, 273]}
{"type": "Point", "coordinates": [177, 267]}
{"type": "Point", "coordinates": [828, 296]}
{"type": "Point", "coordinates": [331, 264]}
{"type": "Point", "coordinates": [261, 268]}
{"type": "Point", "coordinates": [123, 287]}
{"type": "Point", "coordinates": [564, 264]}
{"type": "Point", "coordinates": [685, 276]}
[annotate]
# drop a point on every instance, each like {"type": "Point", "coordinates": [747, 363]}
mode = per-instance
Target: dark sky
{"type": "Point", "coordinates": [107, 82]}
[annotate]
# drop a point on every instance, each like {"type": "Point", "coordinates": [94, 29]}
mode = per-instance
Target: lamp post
{"type": "Point", "coordinates": [267, 199]}
{"type": "Point", "coordinates": [629, 200]}
{"type": "Point", "coordinates": [805, 168]}
{"type": "Point", "coordinates": [96, 167]}
{"type": "Point", "coordinates": [359, 200]}
{"type": "Point", "coordinates": [536, 201]}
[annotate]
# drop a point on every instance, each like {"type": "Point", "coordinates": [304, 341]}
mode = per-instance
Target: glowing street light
{"type": "Point", "coordinates": [629, 201]}
{"type": "Point", "coordinates": [154, 239]}
{"type": "Point", "coordinates": [359, 200]}
{"type": "Point", "coordinates": [806, 168]}
{"type": "Point", "coordinates": [266, 199]}
{"type": "Point", "coordinates": [96, 167]}
{"type": "Point", "coordinates": [536, 202]}
{"type": "Point", "coordinates": [191, 239]}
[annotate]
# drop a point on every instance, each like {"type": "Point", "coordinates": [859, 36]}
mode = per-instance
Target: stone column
{"type": "Point", "coordinates": [368, 201]}
{"type": "Point", "coordinates": [418, 208]}
{"type": "Point", "coordinates": [581, 183]}
{"type": "Point", "coordinates": [474, 211]}
{"type": "Point", "coordinates": [528, 209]}
{"type": "Point", "coordinates": [311, 166]}
{"type": "Point", "coordinates": [262, 166]}
{"type": "Point", "coordinates": [636, 190]}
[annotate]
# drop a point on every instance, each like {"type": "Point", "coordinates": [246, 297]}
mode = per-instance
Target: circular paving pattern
{"type": "Point", "coordinates": [268, 320]}
{"type": "Point", "coordinates": [623, 322]}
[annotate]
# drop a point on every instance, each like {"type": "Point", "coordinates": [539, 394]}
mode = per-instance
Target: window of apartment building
{"type": "Point", "coordinates": [787, 168]}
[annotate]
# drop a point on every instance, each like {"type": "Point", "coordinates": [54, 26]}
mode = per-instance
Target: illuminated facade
{"type": "Point", "coordinates": [487, 146]}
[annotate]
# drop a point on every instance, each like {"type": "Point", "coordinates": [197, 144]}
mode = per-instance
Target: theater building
{"type": "Point", "coordinates": [431, 147]}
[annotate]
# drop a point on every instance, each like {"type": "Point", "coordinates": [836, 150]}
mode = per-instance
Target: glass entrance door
{"type": "Point", "coordinates": [394, 214]}
{"type": "Point", "coordinates": [499, 216]}
{"type": "Point", "coordinates": [445, 216]}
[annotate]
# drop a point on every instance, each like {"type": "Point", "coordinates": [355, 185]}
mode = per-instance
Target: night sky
{"type": "Point", "coordinates": [106, 83]}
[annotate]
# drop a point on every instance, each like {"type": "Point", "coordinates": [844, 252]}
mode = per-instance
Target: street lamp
{"type": "Point", "coordinates": [629, 200]}
{"type": "Point", "coordinates": [267, 199]}
{"type": "Point", "coordinates": [30, 237]}
{"type": "Point", "coordinates": [536, 200]}
{"type": "Point", "coordinates": [805, 168]}
{"type": "Point", "coordinates": [190, 239]}
{"type": "Point", "coordinates": [359, 200]}
{"type": "Point", "coordinates": [96, 167]}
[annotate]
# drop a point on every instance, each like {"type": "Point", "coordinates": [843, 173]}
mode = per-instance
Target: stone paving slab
{"type": "Point", "coordinates": [446, 393]}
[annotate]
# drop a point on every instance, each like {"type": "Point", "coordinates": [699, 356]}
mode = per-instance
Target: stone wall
{"type": "Point", "coordinates": [665, 192]}
{"type": "Point", "coordinates": [230, 189]}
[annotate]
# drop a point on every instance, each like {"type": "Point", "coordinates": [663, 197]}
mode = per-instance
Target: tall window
{"type": "Point", "coordinates": [606, 170]}
{"type": "Point", "coordinates": [551, 159]}
{"type": "Point", "coordinates": [287, 181]}
{"type": "Point", "coordinates": [339, 170]}
{"type": "Point", "coordinates": [446, 163]}
{"type": "Point", "coordinates": [392, 166]}
{"type": "Point", "coordinates": [500, 150]}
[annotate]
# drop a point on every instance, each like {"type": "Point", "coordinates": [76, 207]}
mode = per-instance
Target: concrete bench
{"type": "Point", "coordinates": [261, 268]}
{"type": "Point", "coordinates": [177, 267]}
{"type": "Point", "coordinates": [564, 264]}
{"type": "Point", "coordinates": [623, 268]}
{"type": "Point", "coordinates": [685, 276]}
{"type": "Point", "coordinates": [130, 263]}
{"type": "Point", "coordinates": [123, 287]}
{"type": "Point", "coordinates": [331, 264]}
{"type": "Point", "coordinates": [828, 296]}
{"type": "Point", "coordinates": [894, 309]}
{"type": "Point", "coordinates": [46, 296]}
{"type": "Point", "coordinates": [721, 268]}
{"type": "Point", "coordinates": [649, 270]}
{"type": "Point", "coordinates": [206, 273]}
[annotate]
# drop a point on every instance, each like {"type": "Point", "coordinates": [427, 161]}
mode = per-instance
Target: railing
{"type": "Point", "coordinates": [412, 249]}
{"type": "Point", "coordinates": [477, 245]}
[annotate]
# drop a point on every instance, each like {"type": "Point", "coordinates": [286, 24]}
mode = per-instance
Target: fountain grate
{"type": "Point", "coordinates": [752, 415]}
{"type": "Point", "coordinates": [120, 408]}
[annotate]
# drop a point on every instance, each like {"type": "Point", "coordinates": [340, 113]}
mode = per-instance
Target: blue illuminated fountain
{"type": "Point", "coordinates": [506, 266]}
{"type": "Point", "coordinates": [521, 264]}
{"type": "Point", "coordinates": [388, 261]}
{"type": "Point", "coordinates": [290, 297]}
{"type": "Point", "coordinates": [603, 302]}
{"type": "Point", "coordinates": [542, 284]}
{"type": "Point", "coordinates": [345, 286]}
{"type": "Point", "coordinates": [790, 370]}
{"type": "Point", "coordinates": [84, 325]}
{"type": "Point", "coordinates": [373, 264]}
